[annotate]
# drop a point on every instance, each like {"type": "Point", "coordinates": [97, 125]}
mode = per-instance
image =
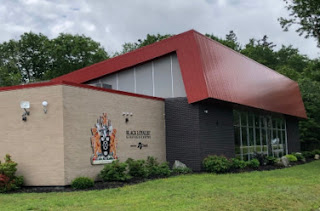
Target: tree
{"type": "Point", "coordinates": [305, 14]}
{"type": "Point", "coordinates": [72, 52]}
{"type": "Point", "coordinates": [312, 71]}
{"type": "Point", "coordinates": [9, 72]}
{"type": "Point", "coordinates": [309, 128]}
{"type": "Point", "coordinates": [34, 57]}
{"type": "Point", "coordinates": [261, 51]}
{"type": "Point", "coordinates": [230, 41]}
{"type": "Point", "coordinates": [291, 58]}
{"type": "Point", "coordinates": [127, 47]}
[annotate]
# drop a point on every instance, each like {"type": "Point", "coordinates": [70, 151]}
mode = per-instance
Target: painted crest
{"type": "Point", "coordinates": [103, 141]}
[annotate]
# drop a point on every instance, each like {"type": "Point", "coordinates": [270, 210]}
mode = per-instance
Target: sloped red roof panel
{"type": "Point", "coordinates": [210, 70]}
{"type": "Point", "coordinates": [232, 77]}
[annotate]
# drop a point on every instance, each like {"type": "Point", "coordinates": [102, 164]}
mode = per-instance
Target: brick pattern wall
{"type": "Point", "coordinates": [192, 134]}
{"type": "Point", "coordinates": [216, 130]}
{"type": "Point", "coordinates": [182, 132]}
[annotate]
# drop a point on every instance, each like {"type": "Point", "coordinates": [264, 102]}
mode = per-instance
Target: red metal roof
{"type": "Point", "coordinates": [210, 70]}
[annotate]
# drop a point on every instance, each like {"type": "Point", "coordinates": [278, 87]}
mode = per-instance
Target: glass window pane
{"type": "Point", "coordinates": [243, 118]}
{"type": "Point", "coordinates": [244, 142]}
{"type": "Point", "coordinates": [264, 141]}
{"type": "Point", "coordinates": [237, 140]}
{"type": "Point", "coordinates": [269, 122]}
{"type": "Point", "coordinates": [257, 117]}
{"type": "Point", "coordinates": [258, 143]}
{"type": "Point", "coordinates": [250, 119]}
{"type": "Point", "coordinates": [236, 118]}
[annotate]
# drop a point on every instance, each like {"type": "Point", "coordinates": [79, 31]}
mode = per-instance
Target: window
{"type": "Point", "coordinates": [259, 133]}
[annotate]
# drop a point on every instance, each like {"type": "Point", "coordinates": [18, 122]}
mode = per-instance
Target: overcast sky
{"type": "Point", "coordinates": [113, 22]}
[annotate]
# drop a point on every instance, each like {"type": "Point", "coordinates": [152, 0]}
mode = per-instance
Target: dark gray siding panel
{"type": "Point", "coordinates": [216, 130]}
{"type": "Point", "coordinates": [192, 134]}
{"type": "Point", "coordinates": [293, 134]}
{"type": "Point", "coordinates": [182, 132]}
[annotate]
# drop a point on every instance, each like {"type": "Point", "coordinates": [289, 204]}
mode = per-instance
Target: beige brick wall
{"type": "Point", "coordinates": [82, 108]}
{"type": "Point", "coordinates": [36, 145]}
{"type": "Point", "coordinates": [54, 148]}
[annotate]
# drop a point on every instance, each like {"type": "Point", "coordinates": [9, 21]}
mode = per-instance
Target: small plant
{"type": "Point", "coordinates": [308, 154]}
{"type": "Point", "coordinates": [216, 164]}
{"type": "Point", "coordinates": [254, 163]}
{"type": "Point", "coordinates": [299, 156]}
{"type": "Point", "coordinates": [181, 170]}
{"type": "Point", "coordinates": [238, 164]}
{"type": "Point", "coordinates": [261, 157]}
{"type": "Point", "coordinates": [152, 166]}
{"type": "Point", "coordinates": [8, 180]}
{"type": "Point", "coordinates": [164, 170]}
{"type": "Point", "coordinates": [315, 152]}
{"type": "Point", "coordinates": [82, 183]}
{"type": "Point", "coordinates": [271, 160]}
{"type": "Point", "coordinates": [115, 171]}
{"type": "Point", "coordinates": [292, 158]}
{"type": "Point", "coordinates": [137, 168]}
{"type": "Point", "coordinates": [155, 169]}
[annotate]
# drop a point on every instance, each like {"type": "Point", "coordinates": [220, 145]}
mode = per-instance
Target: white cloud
{"type": "Point", "coordinates": [114, 22]}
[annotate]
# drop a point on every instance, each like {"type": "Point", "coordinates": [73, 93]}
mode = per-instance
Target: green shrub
{"type": "Point", "coordinates": [299, 156]}
{"type": "Point", "coordinates": [164, 170]}
{"type": "Point", "coordinates": [152, 166]}
{"type": "Point", "coordinates": [8, 180]}
{"type": "Point", "coordinates": [114, 171]}
{"type": "Point", "coordinates": [238, 164]}
{"type": "Point", "coordinates": [182, 170]}
{"type": "Point", "coordinates": [315, 152]}
{"type": "Point", "coordinates": [254, 163]}
{"type": "Point", "coordinates": [137, 168]}
{"type": "Point", "coordinates": [308, 154]}
{"type": "Point", "coordinates": [271, 160]}
{"type": "Point", "coordinates": [292, 158]}
{"type": "Point", "coordinates": [216, 164]}
{"type": "Point", "coordinates": [155, 169]}
{"type": "Point", "coordinates": [82, 183]}
{"type": "Point", "coordinates": [261, 157]}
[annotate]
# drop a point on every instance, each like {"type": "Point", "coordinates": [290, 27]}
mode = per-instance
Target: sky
{"type": "Point", "coordinates": [114, 22]}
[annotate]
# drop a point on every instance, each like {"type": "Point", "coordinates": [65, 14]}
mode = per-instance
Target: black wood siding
{"type": "Point", "coordinates": [293, 134]}
{"type": "Point", "coordinates": [216, 130]}
{"type": "Point", "coordinates": [182, 132]}
{"type": "Point", "coordinates": [192, 134]}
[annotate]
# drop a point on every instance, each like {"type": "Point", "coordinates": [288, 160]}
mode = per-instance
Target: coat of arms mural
{"type": "Point", "coordinates": [103, 141]}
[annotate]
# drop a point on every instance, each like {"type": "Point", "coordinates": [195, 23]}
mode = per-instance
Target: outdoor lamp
{"type": "Point", "coordinates": [25, 105]}
{"type": "Point", "coordinates": [45, 104]}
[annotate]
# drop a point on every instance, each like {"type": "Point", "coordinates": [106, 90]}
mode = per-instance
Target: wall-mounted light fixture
{"type": "Point", "coordinates": [45, 105]}
{"type": "Point", "coordinates": [25, 105]}
{"type": "Point", "coordinates": [126, 115]}
{"type": "Point", "coordinates": [206, 111]}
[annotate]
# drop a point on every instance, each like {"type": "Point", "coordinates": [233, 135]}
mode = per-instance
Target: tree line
{"type": "Point", "coordinates": [35, 57]}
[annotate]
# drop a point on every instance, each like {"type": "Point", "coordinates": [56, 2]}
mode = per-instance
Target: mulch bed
{"type": "Point", "coordinates": [109, 185]}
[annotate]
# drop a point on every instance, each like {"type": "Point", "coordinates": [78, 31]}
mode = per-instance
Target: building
{"type": "Point", "coordinates": [182, 98]}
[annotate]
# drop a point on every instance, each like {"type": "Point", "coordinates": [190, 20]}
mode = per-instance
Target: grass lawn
{"type": "Point", "coordinates": [296, 188]}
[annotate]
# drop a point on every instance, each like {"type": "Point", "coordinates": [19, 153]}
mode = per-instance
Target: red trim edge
{"type": "Point", "coordinates": [43, 84]}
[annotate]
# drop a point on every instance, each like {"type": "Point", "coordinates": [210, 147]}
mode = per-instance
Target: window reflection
{"type": "Point", "coordinates": [259, 133]}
